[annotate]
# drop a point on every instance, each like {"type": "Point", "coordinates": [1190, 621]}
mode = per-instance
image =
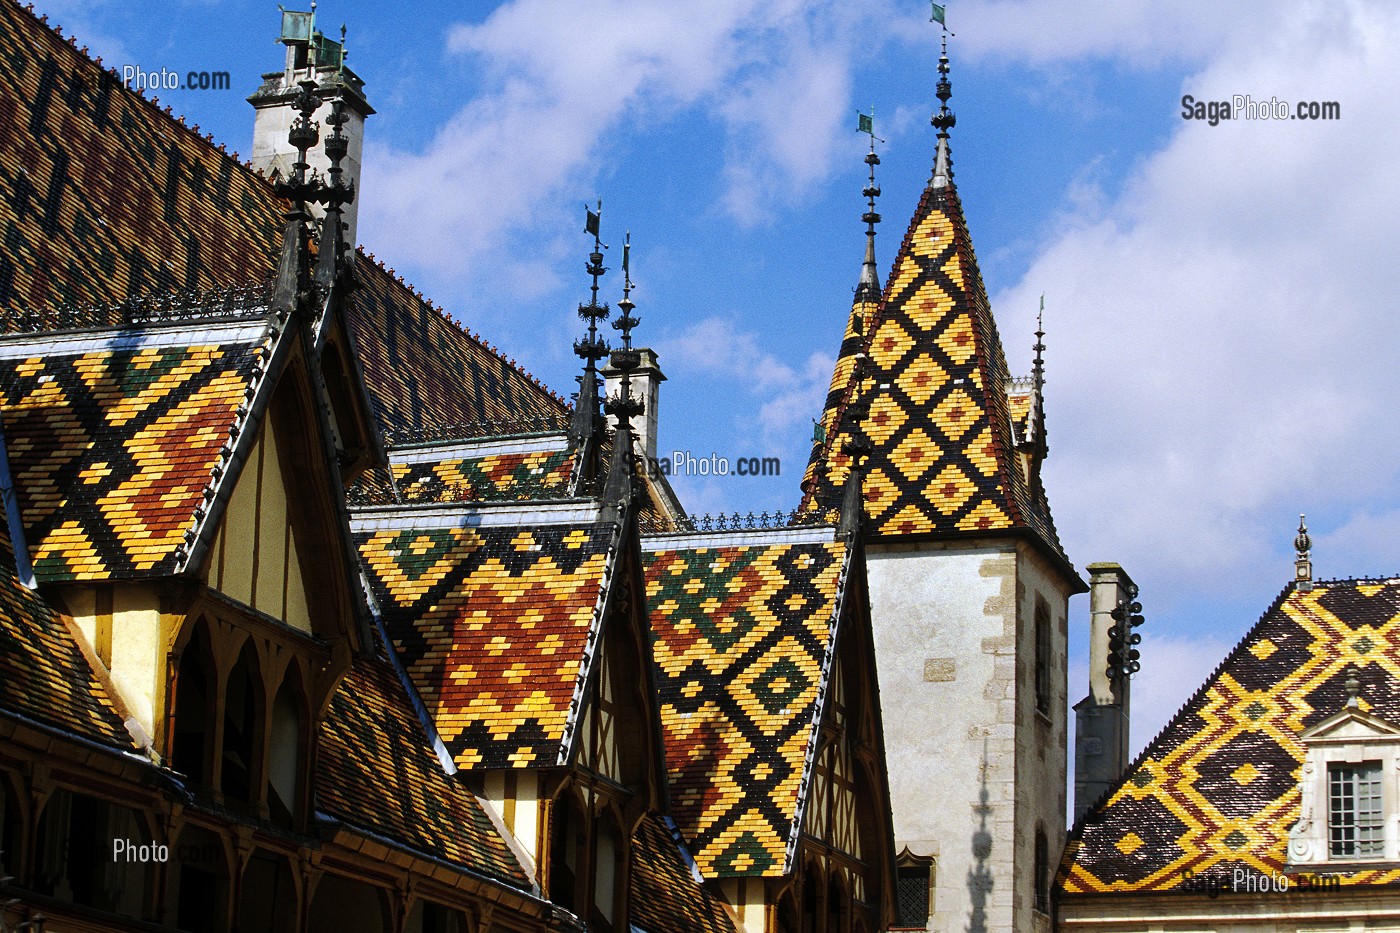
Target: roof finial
{"type": "Point", "coordinates": [944, 119]}
{"type": "Point", "coordinates": [868, 290]}
{"type": "Point", "coordinates": [334, 251]}
{"type": "Point", "coordinates": [623, 406]}
{"type": "Point", "coordinates": [292, 270]}
{"type": "Point", "coordinates": [591, 348]}
{"type": "Point", "coordinates": [1353, 684]}
{"type": "Point", "coordinates": [1302, 565]}
{"type": "Point", "coordinates": [1035, 429]}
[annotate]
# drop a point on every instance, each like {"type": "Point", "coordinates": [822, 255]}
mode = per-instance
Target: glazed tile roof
{"type": "Point", "coordinates": [665, 897]}
{"type": "Point", "coordinates": [43, 673]}
{"type": "Point", "coordinates": [376, 771]}
{"type": "Point", "coordinates": [742, 631]}
{"type": "Point", "coordinates": [492, 625]}
{"type": "Point", "coordinates": [103, 195]}
{"type": "Point", "coordinates": [472, 473]}
{"type": "Point", "coordinates": [1218, 788]}
{"type": "Point", "coordinates": [115, 436]}
{"type": "Point", "coordinates": [944, 459]}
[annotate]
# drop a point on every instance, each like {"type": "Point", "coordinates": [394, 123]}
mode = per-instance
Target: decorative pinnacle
{"type": "Point", "coordinates": [1353, 684]}
{"type": "Point", "coordinates": [625, 359]}
{"type": "Point", "coordinates": [1038, 367]}
{"type": "Point", "coordinates": [943, 121]}
{"type": "Point", "coordinates": [868, 290]}
{"type": "Point", "coordinates": [1302, 565]}
{"type": "Point", "coordinates": [303, 134]}
{"type": "Point", "coordinates": [593, 348]}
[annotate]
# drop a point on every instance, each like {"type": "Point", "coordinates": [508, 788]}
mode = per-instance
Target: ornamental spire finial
{"type": "Point", "coordinates": [944, 119]}
{"type": "Point", "coordinates": [868, 290]}
{"type": "Point", "coordinates": [1303, 563]}
{"type": "Point", "coordinates": [592, 347]}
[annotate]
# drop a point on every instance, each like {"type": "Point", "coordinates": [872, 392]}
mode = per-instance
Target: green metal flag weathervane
{"type": "Point", "coordinates": [938, 16]}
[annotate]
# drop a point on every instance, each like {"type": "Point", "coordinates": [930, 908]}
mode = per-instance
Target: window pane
{"type": "Point", "coordinates": [1355, 822]}
{"type": "Point", "coordinates": [913, 897]}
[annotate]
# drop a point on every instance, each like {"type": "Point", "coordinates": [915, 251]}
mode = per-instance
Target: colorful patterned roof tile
{"type": "Point", "coordinates": [493, 625]}
{"type": "Point", "coordinates": [665, 897]}
{"type": "Point", "coordinates": [1218, 788]}
{"type": "Point", "coordinates": [376, 770]}
{"type": "Point", "coordinates": [742, 632]}
{"type": "Point", "coordinates": [486, 471]}
{"type": "Point", "coordinates": [116, 436]}
{"type": "Point", "coordinates": [944, 449]}
{"type": "Point", "coordinates": [43, 673]}
{"type": "Point", "coordinates": [105, 196]}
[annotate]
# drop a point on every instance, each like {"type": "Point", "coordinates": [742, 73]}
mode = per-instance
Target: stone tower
{"type": "Point", "coordinates": [311, 56]}
{"type": "Point", "coordinates": [969, 584]}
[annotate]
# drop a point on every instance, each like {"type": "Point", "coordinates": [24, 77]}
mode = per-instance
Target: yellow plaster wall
{"type": "Point", "coordinates": [255, 559]}
{"type": "Point", "coordinates": [748, 901]}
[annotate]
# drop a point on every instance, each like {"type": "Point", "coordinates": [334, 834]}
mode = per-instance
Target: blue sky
{"type": "Point", "coordinates": [1221, 301]}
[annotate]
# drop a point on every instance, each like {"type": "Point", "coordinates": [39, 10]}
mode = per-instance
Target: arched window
{"type": "Point", "coordinates": [194, 710]}
{"type": "Point", "coordinates": [286, 752]}
{"type": "Point", "coordinates": [567, 843]}
{"type": "Point", "coordinates": [9, 829]}
{"type": "Point", "coordinates": [427, 917]}
{"type": "Point", "coordinates": [787, 913]}
{"type": "Point", "coordinates": [811, 899]}
{"type": "Point", "coordinates": [268, 900]}
{"type": "Point", "coordinates": [93, 853]}
{"type": "Point", "coordinates": [609, 858]}
{"type": "Point", "coordinates": [199, 882]}
{"type": "Point", "coordinates": [243, 716]}
{"type": "Point", "coordinates": [1041, 875]}
{"type": "Point", "coordinates": [835, 906]}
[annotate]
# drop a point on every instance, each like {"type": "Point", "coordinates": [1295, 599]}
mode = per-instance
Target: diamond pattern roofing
{"type": "Point", "coordinates": [742, 632]}
{"type": "Point", "coordinates": [1218, 788]}
{"type": "Point", "coordinates": [492, 625]}
{"type": "Point", "coordinates": [944, 459]}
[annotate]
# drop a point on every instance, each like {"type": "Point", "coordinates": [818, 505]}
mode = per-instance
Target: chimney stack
{"type": "Point", "coordinates": [646, 385]}
{"type": "Point", "coordinates": [313, 56]}
{"type": "Point", "coordinates": [1102, 718]}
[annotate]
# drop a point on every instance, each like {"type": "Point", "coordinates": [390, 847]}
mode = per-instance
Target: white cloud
{"type": "Point", "coordinates": [563, 77]}
{"type": "Point", "coordinates": [1223, 342]}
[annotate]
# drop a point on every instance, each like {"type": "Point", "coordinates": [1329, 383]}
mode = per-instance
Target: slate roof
{"type": "Point", "coordinates": [1218, 788]}
{"type": "Point", "coordinates": [944, 461]}
{"type": "Point", "coordinates": [494, 626]}
{"type": "Point", "coordinates": [742, 631]}
{"type": "Point", "coordinates": [665, 897]}
{"type": "Point", "coordinates": [377, 771]}
{"type": "Point", "coordinates": [104, 195]}
{"type": "Point", "coordinates": [43, 673]}
{"type": "Point", "coordinates": [117, 438]}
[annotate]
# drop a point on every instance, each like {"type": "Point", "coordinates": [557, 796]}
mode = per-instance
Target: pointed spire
{"type": "Point", "coordinates": [591, 349]}
{"type": "Point", "coordinates": [943, 121]}
{"type": "Point", "coordinates": [1302, 564]}
{"type": "Point", "coordinates": [868, 290]}
{"type": "Point", "coordinates": [1035, 422]}
{"type": "Point", "coordinates": [621, 483]}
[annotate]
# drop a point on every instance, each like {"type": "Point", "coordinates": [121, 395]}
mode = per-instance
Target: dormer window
{"type": "Point", "coordinates": [1349, 809]}
{"type": "Point", "coordinates": [1355, 813]}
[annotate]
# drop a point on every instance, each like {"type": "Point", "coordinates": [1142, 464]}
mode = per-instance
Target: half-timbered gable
{"type": "Point", "coordinates": [772, 728]}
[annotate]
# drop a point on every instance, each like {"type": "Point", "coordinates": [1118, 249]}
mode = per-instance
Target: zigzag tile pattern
{"type": "Point", "coordinates": [665, 897]}
{"type": "Point", "coordinates": [103, 196]}
{"type": "Point", "coordinates": [112, 450]}
{"type": "Point", "coordinates": [43, 673]}
{"type": "Point", "coordinates": [491, 625]}
{"type": "Point", "coordinates": [1218, 788]}
{"type": "Point", "coordinates": [495, 477]}
{"type": "Point", "coordinates": [943, 459]}
{"type": "Point", "coordinates": [377, 771]}
{"type": "Point", "coordinates": [741, 634]}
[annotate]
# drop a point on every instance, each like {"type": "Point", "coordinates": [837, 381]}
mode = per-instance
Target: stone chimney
{"type": "Point", "coordinates": [1102, 718]}
{"type": "Point", "coordinates": [311, 56]}
{"type": "Point", "coordinates": [646, 385]}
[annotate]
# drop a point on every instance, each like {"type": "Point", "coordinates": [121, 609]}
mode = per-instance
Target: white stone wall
{"type": "Point", "coordinates": [1293, 911]}
{"type": "Point", "coordinates": [973, 766]}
